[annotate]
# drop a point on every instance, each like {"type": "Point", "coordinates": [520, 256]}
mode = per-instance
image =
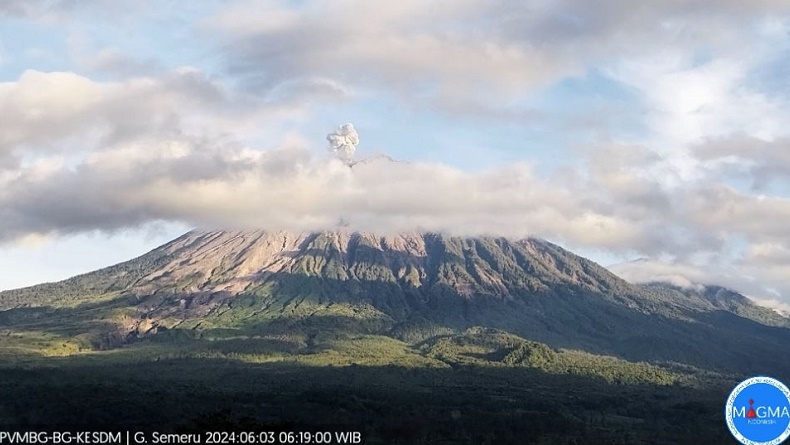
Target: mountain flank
{"type": "Point", "coordinates": [309, 288]}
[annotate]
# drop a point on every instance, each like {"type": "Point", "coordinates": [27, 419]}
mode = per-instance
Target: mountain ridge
{"type": "Point", "coordinates": [411, 286]}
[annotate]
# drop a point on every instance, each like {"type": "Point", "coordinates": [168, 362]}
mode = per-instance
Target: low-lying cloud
{"type": "Point", "coordinates": [210, 183]}
{"type": "Point", "coordinates": [293, 188]}
{"type": "Point", "coordinates": [747, 277]}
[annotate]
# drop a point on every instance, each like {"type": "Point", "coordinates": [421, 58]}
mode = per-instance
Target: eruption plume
{"type": "Point", "coordinates": [343, 142]}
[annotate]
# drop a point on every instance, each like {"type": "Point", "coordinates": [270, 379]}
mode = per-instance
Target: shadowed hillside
{"type": "Point", "coordinates": [410, 287]}
{"type": "Point", "coordinates": [412, 338]}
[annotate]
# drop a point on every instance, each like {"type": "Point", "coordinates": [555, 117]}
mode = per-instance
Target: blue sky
{"type": "Point", "coordinates": [655, 132]}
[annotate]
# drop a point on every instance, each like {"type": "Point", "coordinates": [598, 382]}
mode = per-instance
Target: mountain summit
{"type": "Point", "coordinates": [411, 286]}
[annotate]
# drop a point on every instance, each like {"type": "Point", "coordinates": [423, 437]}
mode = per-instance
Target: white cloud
{"type": "Point", "coordinates": [780, 307]}
{"type": "Point", "coordinates": [648, 271]}
{"type": "Point", "coordinates": [79, 154]}
{"type": "Point", "coordinates": [290, 188]}
{"type": "Point", "coordinates": [759, 161]}
{"type": "Point", "coordinates": [407, 46]}
{"type": "Point", "coordinates": [763, 281]}
{"type": "Point", "coordinates": [62, 112]}
{"type": "Point", "coordinates": [488, 52]}
{"type": "Point", "coordinates": [151, 166]}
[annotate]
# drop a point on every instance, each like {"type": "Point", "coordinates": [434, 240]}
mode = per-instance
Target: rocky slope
{"type": "Point", "coordinates": [412, 286]}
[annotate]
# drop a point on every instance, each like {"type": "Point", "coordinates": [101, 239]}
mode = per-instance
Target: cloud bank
{"type": "Point", "coordinates": [698, 179]}
{"type": "Point", "coordinates": [751, 284]}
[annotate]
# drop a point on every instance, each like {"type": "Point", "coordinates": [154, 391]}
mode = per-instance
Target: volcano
{"type": "Point", "coordinates": [411, 287]}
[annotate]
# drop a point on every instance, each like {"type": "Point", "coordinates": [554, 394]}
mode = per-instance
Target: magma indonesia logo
{"type": "Point", "coordinates": [758, 411]}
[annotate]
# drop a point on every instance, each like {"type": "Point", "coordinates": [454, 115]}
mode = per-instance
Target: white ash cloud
{"type": "Point", "coordinates": [343, 142]}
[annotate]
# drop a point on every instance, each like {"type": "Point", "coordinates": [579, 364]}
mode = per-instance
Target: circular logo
{"type": "Point", "coordinates": [758, 411]}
